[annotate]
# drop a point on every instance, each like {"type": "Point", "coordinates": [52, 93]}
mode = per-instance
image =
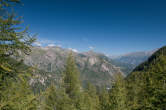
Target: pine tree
{"type": "Point", "coordinates": [104, 100]}
{"type": "Point", "coordinates": [72, 83]}
{"type": "Point", "coordinates": [15, 93]}
{"type": "Point", "coordinates": [118, 94]}
{"type": "Point", "coordinates": [56, 99]}
{"type": "Point", "coordinates": [12, 42]}
{"type": "Point", "coordinates": [50, 98]}
{"type": "Point", "coordinates": [135, 91]}
{"type": "Point", "coordinates": [91, 98]}
{"type": "Point", "coordinates": [71, 78]}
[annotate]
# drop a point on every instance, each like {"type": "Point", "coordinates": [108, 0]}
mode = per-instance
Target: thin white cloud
{"type": "Point", "coordinates": [37, 43]}
{"type": "Point", "coordinates": [46, 42]}
{"type": "Point", "coordinates": [74, 50]}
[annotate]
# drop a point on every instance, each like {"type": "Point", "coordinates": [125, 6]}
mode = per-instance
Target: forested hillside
{"type": "Point", "coordinates": [147, 83]}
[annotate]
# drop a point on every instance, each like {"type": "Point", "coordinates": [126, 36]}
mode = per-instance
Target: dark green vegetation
{"type": "Point", "coordinates": [147, 83]}
{"type": "Point", "coordinates": [143, 89]}
{"type": "Point", "coordinates": [15, 92]}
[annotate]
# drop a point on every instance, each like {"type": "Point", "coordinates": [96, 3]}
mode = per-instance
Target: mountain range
{"type": "Point", "coordinates": [94, 67]}
{"type": "Point", "coordinates": [129, 61]}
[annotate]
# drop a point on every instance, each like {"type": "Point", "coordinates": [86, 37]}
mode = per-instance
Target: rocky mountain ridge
{"type": "Point", "coordinates": [94, 67]}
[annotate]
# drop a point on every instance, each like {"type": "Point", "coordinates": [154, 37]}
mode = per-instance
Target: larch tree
{"type": "Point", "coordinates": [91, 98]}
{"type": "Point", "coordinates": [71, 82]}
{"type": "Point", "coordinates": [15, 92]}
{"type": "Point", "coordinates": [118, 93]}
{"type": "Point", "coordinates": [104, 99]}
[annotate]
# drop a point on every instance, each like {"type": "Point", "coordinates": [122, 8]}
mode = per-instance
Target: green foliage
{"type": "Point", "coordinates": [12, 42]}
{"type": "Point", "coordinates": [71, 78]}
{"type": "Point", "coordinates": [18, 96]}
{"type": "Point", "coordinates": [70, 94]}
{"type": "Point", "coordinates": [56, 99]}
{"type": "Point", "coordinates": [104, 100]}
{"type": "Point", "coordinates": [72, 83]}
{"type": "Point", "coordinates": [15, 92]}
{"type": "Point", "coordinates": [118, 94]}
{"type": "Point", "coordinates": [91, 98]}
{"type": "Point", "coordinates": [147, 83]}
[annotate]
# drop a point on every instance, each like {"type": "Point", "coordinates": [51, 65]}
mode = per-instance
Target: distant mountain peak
{"type": "Point", "coordinates": [156, 55]}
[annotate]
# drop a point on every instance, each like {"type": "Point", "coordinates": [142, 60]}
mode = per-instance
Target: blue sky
{"type": "Point", "coordinates": [107, 26]}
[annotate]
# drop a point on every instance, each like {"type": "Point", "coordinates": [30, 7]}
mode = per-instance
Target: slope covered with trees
{"type": "Point", "coordinates": [147, 86]}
